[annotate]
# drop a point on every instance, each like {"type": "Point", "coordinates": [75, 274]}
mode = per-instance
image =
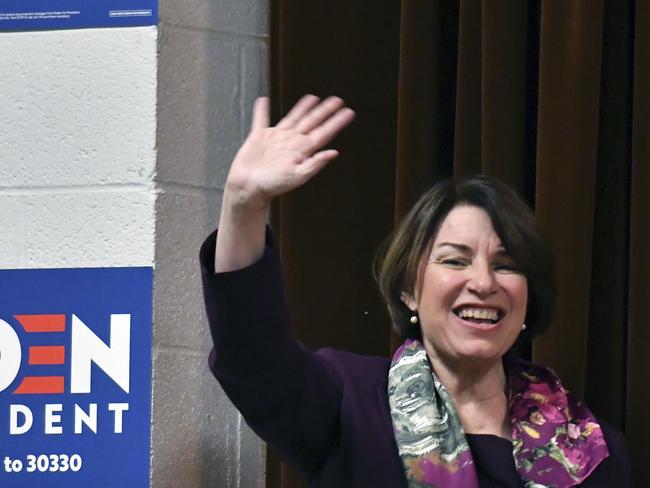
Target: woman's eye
{"type": "Point", "coordinates": [454, 263]}
{"type": "Point", "coordinates": [506, 267]}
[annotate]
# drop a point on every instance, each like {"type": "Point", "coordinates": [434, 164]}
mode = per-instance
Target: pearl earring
{"type": "Point", "coordinates": [414, 319]}
{"type": "Point", "coordinates": [523, 326]}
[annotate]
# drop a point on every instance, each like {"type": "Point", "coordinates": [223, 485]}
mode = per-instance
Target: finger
{"type": "Point", "coordinates": [325, 132]}
{"type": "Point", "coordinates": [313, 165]}
{"type": "Point", "coordinates": [261, 113]}
{"type": "Point", "coordinates": [304, 105]}
{"type": "Point", "coordinates": [316, 116]}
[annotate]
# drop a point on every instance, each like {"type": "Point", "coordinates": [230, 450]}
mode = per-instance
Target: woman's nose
{"type": "Point", "coordinates": [482, 281]}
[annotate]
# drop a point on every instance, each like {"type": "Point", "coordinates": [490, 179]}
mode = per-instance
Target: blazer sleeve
{"type": "Point", "coordinates": [289, 395]}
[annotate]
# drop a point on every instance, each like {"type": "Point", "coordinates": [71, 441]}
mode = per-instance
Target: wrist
{"type": "Point", "coordinates": [244, 203]}
{"type": "Point", "coordinates": [240, 241]}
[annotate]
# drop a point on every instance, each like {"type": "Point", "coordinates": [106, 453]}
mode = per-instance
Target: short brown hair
{"type": "Point", "coordinates": [398, 261]}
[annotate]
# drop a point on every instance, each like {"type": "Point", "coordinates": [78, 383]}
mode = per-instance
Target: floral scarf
{"type": "Point", "coordinates": [556, 441]}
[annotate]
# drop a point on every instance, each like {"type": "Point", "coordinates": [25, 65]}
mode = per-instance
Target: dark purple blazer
{"type": "Point", "coordinates": [327, 412]}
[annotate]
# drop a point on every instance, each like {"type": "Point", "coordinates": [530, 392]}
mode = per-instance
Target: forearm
{"type": "Point", "coordinates": [246, 311]}
{"type": "Point", "coordinates": [240, 241]}
{"type": "Point", "coordinates": [289, 395]}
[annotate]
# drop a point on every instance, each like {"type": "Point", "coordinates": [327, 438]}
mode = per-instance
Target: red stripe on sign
{"type": "Point", "coordinates": [46, 354]}
{"type": "Point", "coordinates": [40, 384]}
{"type": "Point", "coordinates": [42, 323]}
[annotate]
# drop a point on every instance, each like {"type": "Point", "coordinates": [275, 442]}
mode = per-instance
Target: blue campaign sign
{"type": "Point", "coordinates": [74, 14]}
{"type": "Point", "coordinates": [75, 377]}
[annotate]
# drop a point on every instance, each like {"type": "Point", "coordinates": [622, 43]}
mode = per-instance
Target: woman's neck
{"type": "Point", "coordinates": [478, 390]}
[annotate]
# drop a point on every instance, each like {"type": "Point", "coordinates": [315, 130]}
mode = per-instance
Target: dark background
{"type": "Point", "coordinates": [553, 97]}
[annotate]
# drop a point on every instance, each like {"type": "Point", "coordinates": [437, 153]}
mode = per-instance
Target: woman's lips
{"type": "Point", "coordinates": [478, 326]}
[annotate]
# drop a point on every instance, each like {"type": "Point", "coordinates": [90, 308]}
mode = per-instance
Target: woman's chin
{"type": "Point", "coordinates": [479, 352]}
{"type": "Point", "coordinates": [478, 349]}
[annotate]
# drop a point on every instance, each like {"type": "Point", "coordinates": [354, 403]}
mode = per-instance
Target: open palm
{"type": "Point", "coordinates": [275, 160]}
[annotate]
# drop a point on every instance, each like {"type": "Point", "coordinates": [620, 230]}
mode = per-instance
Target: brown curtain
{"type": "Point", "coordinates": [553, 97]}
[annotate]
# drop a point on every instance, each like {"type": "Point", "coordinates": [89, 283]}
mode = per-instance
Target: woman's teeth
{"type": "Point", "coordinates": [478, 313]}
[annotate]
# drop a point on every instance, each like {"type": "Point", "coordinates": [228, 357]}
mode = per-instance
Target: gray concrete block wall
{"type": "Point", "coordinates": [212, 65]}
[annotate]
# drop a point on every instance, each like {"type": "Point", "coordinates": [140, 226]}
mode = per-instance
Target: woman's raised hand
{"type": "Point", "coordinates": [275, 160]}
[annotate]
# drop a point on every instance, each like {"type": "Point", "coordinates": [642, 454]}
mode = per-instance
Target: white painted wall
{"type": "Point", "coordinates": [77, 148]}
{"type": "Point", "coordinates": [114, 146]}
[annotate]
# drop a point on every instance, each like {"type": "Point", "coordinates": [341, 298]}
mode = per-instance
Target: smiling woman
{"type": "Point", "coordinates": [470, 302]}
{"type": "Point", "coordinates": [461, 275]}
{"type": "Point", "coordinates": [519, 247]}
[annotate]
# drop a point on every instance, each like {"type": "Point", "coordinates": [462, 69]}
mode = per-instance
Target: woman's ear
{"type": "Point", "coordinates": [409, 301]}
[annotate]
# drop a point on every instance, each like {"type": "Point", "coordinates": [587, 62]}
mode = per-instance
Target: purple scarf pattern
{"type": "Point", "coordinates": [556, 440]}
